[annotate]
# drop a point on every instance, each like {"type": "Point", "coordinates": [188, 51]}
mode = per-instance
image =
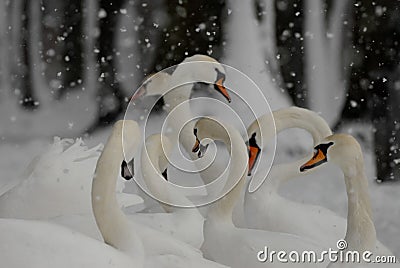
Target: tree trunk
{"type": "Point", "coordinates": [111, 98]}
{"type": "Point", "coordinates": [324, 64]}
{"type": "Point", "coordinates": [289, 28]}
{"type": "Point", "coordinates": [267, 20]}
{"type": "Point", "coordinates": [73, 46]}
{"type": "Point", "coordinates": [27, 93]}
{"type": "Point", "coordinates": [382, 130]}
{"type": "Point", "coordinates": [35, 54]}
{"type": "Point", "coordinates": [394, 124]}
{"type": "Point", "coordinates": [15, 41]}
{"type": "Point", "coordinates": [5, 87]}
{"type": "Point", "coordinates": [243, 32]}
{"type": "Point", "coordinates": [90, 9]}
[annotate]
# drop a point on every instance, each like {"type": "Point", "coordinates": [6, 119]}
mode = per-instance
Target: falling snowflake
{"type": "Point", "coordinates": [102, 14]}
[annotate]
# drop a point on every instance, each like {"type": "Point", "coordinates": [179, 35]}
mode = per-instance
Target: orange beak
{"type": "Point", "coordinates": [219, 86]}
{"type": "Point", "coordinates": [318, 159]}
{"type": "Point", "coordinates": [196, 146]}
{"type": "Point", "coordinates": [254, 152]}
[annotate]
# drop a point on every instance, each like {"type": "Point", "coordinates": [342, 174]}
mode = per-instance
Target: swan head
{"type": "Point", "coordinates": [340, 149]}
{"type": "Point", "coordinates": [257, 141]}
{"type": "Point", "coordinates": [211, 71]}
{"type": "Point", "coordinates": [130, 133]}
{"type": "Point", "coordinates": [158, 147]}
{"type": "Point", "coordinates": [254, 150]}
{"type": "Point", "coordinates": [161, 82]}
{"type": "Point", "coordinates": [153, 85]}
{"type": "Point", "coordinates": [207, 128]}
{"type": "Point", "coordinates": [198, 147]}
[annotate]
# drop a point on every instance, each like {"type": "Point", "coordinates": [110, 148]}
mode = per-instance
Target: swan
{"type": "Point", "coordinates": [265, 208]}
{"type": "Point", "coordinates": [223, 241]}
{"type": "Point", "coordinates": [185, 224]}
{"type": "Point", "coordinates": [344, 151]}
{"type": "Point", "coordinates": [292, 117]}
{"type": "Point", "coordinates": [36, 244]}
{"type": "Point", "coordinates": [56, 187]}
{"type": "Point", "coordinates": [142, 243]}
{"type": "Point", "coordinates": [161, 83]}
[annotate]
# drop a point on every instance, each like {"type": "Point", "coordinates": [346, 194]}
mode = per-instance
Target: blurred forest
{"type": "Point", "coordinates": [340, 58]}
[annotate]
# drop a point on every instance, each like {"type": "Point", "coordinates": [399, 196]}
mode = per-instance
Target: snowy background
{"type": "Point", "coordinates": [68, 67]}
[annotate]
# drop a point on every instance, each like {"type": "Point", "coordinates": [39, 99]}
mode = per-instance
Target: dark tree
{"type": "Point", "coordinates": [394, 120]}
{"type": "Point", "coordinates": [289, 29]}
{"type": "Point", "coordinates": [111, 98]}
{"type": "Point", "coordinates": [195, 27]}
{"type": "Point", "coordinates": [26, 83]}
{"type": "Point", "coordinates": [73, 47]}
{"type": "Point", "coordinates": [373, 81]}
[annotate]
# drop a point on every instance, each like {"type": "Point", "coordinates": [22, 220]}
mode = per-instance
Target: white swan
{"type": "Point", "coordinates": [134, 239]}
{"type": "Point", "coordinates": [162, 82]}
{"type": "Point", "coordinates": [35, 244]}
{"type": "Point", "coordinates": [225, 243]}
{"type": "Point", "coordinates": [344, 151]}
{"type": "Point", "coordinates": [266, 209]}
{"type": "Point", "coordinates": [213, 72]}
{"type": "Point", "coordinates": [292, 117]}
{"type": "Point", "coordinates": [56, 187]}
{"type": "Point", "coordinates": [185, 224]}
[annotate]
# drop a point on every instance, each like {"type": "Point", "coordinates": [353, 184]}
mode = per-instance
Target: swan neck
{"type": "Point", "coordinates": [180, 124]}
{"type": "Point", "coordinates": [222, 209]}
{"type": "Point", "coordinates": [295, 117]}
{"type": "Point", "coordinates": [111, 221]}
{"type": "Point", "coordinates": [157, 185]}
{"type": "Point", "coordinates": [360, 233]}
{"type": "Point", "coordinates": [178, 95]}
{"type": "Point", "coordinates": [281, 173]}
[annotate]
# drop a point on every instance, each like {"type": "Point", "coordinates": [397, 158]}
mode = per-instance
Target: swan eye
{"type": "Point", "coordinates": [195, 131]}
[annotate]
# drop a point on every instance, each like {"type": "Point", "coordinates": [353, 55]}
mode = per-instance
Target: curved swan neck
{"type": "Point", "coordinates": [222, 209]}
{"type": "Point", "coordinates": [177, 95]}
{"type": "Point", "coordinates": [153, 162]}
{"type": "Point", "coordinates": [361, 233]}
{"type": "Point", "coordinates": [113, 224]}
{"type": "Point", "coordinates": [295, 117]}
{"type": "Point", "coordinates": [282, 173]}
